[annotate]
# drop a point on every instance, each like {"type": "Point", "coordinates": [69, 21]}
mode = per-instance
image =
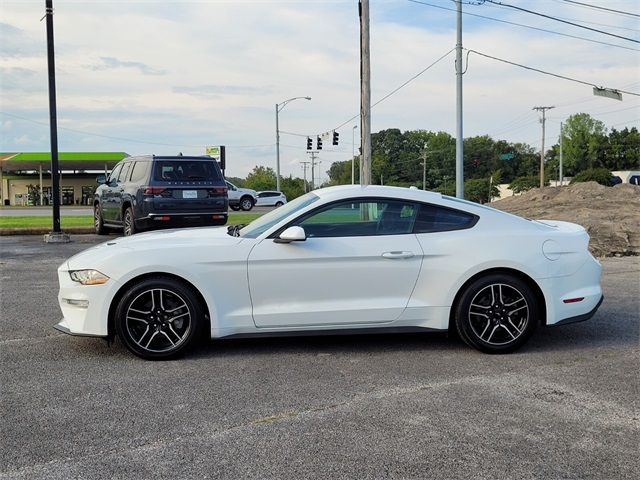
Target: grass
{"type": "Point", "coordinates": [86, 221]}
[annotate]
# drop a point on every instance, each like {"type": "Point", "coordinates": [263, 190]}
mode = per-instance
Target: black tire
{"type": "Point", "coordinates": [246, 203]}
{"type": "Point", "coordinates": [497, 313]}
{"type": "Point", "coordinates": [279, 204]}
{"type": "Point", "coordinates": [98, 222]}
{"type": "Point", "coordinates": [128, 222]}
{"type": "Point", "coordinates": [159, 318]}
{"type": "Point", "coordinates": [235, 208]}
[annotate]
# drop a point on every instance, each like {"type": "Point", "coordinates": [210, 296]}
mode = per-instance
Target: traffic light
{"type": "Point", "coordinates": [318, 143]}
{"type": "Point", "coordinates": [309, 143]}
{"type": "Point", "coordinates": [335, 137]}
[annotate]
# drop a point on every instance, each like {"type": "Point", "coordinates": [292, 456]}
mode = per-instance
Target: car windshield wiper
{"type": "Point", "coordinates": [234, 230]}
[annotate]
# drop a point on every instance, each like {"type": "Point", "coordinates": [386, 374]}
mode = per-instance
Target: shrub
{"type": "Point", "coordinates": [600, 175]}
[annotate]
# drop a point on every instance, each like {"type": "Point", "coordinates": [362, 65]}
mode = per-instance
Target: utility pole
{"type": "Point", "coordinates": [313, 165]}
{"type": "Point", "coordinates": [561, 142]}
{"type": "Point", "coordinates": [353, 154]}
{"type": "Point", "coordinates": [424, 167]}
{"type": "Point", "coordinates": [365, 93]}
{"type": "Point", "coordinates": [304, 173]}
{"type": "Point", "coordinates": [459, 136]}
{"type": "Point", "coordinates": [542, 121]}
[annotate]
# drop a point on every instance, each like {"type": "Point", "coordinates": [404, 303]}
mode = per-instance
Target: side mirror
{"type": "Point", "coordinates": [291, 234]}
{"type": "Point", "coordinates": [101, 179]}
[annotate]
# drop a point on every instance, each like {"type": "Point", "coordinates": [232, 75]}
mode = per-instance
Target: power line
{"type": "Point", "coordinates": [547, 73]}
{"type": "Point", "coordinates": [398, 88]}
{"type": "Point", "coordinates": [618, 27]}
{"type": "Point", "coordinates": [394, 91]}
{"type": "Point", "coordinates": [563, 21]}
{"type": "Point", "coordinates": [122, 139]}
{"type": "Point", "coordinates": [598, 7]}
{"type": "Point", "coordinates": [530, 27]}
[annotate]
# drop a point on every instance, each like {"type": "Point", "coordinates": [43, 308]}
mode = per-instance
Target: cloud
{"type": "Point", "coordinates": [221, 90]}
{"type": "Point", "coordinates": [194, 73]}
{"type": "Point", "coordinates": [109, 63]}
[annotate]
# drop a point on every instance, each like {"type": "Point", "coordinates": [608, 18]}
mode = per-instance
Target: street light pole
{"type": "Point", "coordinates": [459, 137]}
{"type": "Point", "coordinates": [353, 154]}
{"type": "Point", "coordinates": [279, 107]}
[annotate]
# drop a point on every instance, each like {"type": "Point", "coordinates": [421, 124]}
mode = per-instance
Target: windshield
{"type": "Point", "coordinates": [264, 223]}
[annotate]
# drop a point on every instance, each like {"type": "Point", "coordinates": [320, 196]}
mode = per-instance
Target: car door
{"type": "Point", "coordinates": [118, 191]}
{"type": "Point", "coordinates": [107, 202]}
{"type": "Point", "coordinates": [358, 266]}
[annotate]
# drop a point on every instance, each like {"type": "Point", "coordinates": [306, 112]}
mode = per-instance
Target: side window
{"type": "Point", "coordinates": [433, 218]}
{"type": "Point", "coordinates": [114, 173]}
{"type": "Point", "coordinates": [139, 171]}
{"type": "Point", "coordinates": [124, 173]}
{"type": "Point", "coordinates": [355, 218]}
{"type": "Point", "coordinates": [262, 195]}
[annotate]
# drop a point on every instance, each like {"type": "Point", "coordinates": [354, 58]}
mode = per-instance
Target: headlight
{"type": "Point", "coordinates": [88, 277]}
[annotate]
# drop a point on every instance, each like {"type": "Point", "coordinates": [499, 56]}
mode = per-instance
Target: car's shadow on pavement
{"type": "Point", "coordinates": [598, 332]}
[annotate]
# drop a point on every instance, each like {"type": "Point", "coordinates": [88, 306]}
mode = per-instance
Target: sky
{"type": "Point", "coordinates": [160, 77]}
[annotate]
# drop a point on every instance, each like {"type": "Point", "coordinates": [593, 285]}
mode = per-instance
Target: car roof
{"type": "Point", "coordinates": [149, 158]}
{"type": "Point", "coordinates": [348, 191]}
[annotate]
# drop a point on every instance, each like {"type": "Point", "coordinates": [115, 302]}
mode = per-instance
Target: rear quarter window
{"type": "Point", "coordinates": [434, 218]}
{"type": "Point", "coordinates": [139, 171]}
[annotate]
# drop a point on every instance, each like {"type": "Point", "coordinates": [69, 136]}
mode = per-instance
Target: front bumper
{"type": "Point", "coordinates": [85, 308]}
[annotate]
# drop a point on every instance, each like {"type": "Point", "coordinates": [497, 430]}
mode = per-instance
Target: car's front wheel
{"type": "Point", "coordinates": [246, 203]}
{"type": "Point", "coordinates": [497, 313]}
{"type": "Point", "coordinates": [158, 318]}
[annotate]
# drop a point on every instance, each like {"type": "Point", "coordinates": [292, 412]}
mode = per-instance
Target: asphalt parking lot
{"type": "Point", "coordinates": [390, 406]}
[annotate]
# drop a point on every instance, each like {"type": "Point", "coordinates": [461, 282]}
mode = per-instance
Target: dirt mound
{"type": "Point", "coordinates": [611, 215]}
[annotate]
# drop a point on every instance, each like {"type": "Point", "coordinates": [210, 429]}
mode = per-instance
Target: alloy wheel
{"type": "Point", "coordinates": [499, 314]}
{"type": "Point", "coordinates": [158, 320]}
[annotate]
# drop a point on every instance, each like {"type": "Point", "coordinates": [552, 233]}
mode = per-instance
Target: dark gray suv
{"type": "Point", "coordinates": [150, 192]}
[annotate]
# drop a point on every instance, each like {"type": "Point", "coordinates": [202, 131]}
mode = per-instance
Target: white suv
{"type": "Point", "coordinates": [271, 198]}
{"type": "Point", "coordinates": [241, 198]}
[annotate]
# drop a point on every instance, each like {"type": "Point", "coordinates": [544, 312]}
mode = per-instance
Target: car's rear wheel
{"type": "Point", "coordinates": [497, 314]}
{"type": "Point", "coordinates": [235, 208]}
{"type": "Point", "coordinates": [158, 318]}
{"type": "Point", "coordinates": [246, 203]}
{"type": "Point", "coordinates": [98, 223]}
{"type": "Point", "coordinates": [128, 222]}
{"type": "Point", "coordinates": [279, 204]}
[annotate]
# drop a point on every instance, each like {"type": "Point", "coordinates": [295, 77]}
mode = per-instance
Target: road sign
{"type": "Point", "coordinates": [607, 92]}
{"type": "Point", "coordinates": [218, 154]}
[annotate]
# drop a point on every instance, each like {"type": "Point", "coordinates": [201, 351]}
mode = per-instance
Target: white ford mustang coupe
{"type": "Point", "coordinates": [345, 259]}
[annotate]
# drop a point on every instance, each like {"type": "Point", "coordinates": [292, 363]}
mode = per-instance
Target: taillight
{"type": "Point", "coordinates": [153, 190]}
{"type": "Point", "coordinates": [218, 190]}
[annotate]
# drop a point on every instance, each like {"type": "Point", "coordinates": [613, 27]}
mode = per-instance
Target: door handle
{"type": "Point", "coordinates": [396, 255]}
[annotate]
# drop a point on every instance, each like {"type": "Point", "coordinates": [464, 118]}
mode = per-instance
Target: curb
{"type": "Point", "coordinates": [42, 231]}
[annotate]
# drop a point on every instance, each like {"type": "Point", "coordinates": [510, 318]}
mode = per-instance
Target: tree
{"type": "Point", "coordinates": [477, 190]}
{"type": "Point", "coordinates": [261, 178]}
{"type": "Point", "coordinates": [523, 184]}
{"type": "Point", "coordinates": [584, 143]}
{"type": "Point", "coordinates": [600, 175]}
{"type": "Point", "coordinates": [292, 187]}
{"type": "Point", "coordinates": [623, 149]}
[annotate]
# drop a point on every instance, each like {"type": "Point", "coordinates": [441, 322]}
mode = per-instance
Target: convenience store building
{"type": "Point", "coordinates": [25, 177]}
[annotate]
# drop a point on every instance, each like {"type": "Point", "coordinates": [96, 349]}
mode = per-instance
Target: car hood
{"type": "Point", "coordinates": [158, 241]}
